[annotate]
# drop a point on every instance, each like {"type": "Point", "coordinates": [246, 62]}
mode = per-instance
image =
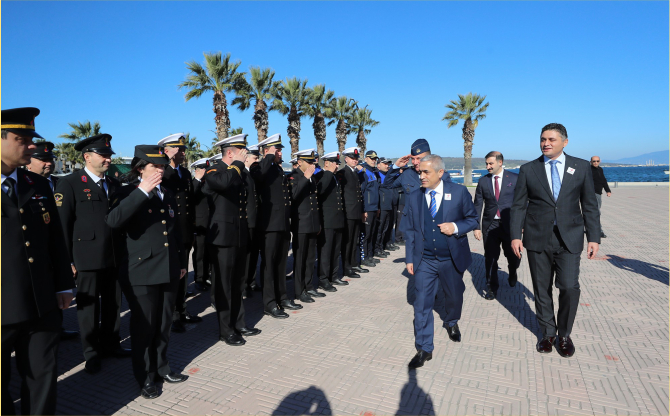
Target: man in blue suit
{"type": "Point", "coordinates": [439, 215]}
{"type": "Point", "coordinates": [495, 194]}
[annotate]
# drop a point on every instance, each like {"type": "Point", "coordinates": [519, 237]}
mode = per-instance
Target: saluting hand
{"type": "Point", "coordinates": [199, 173]}
{"type": "Point", "coordinates": [148, 184]}
{"type": "Point", "coordinates": [309, 171]}
{"type": "Point", "coordinates": [241, 156]}
{"type": "Point", "coordinates": [402, 161]}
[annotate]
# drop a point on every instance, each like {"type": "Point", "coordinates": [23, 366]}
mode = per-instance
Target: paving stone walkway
{"type": "Point", "coordinates": [348, 353]}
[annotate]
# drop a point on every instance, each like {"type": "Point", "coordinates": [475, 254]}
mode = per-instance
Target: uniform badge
{"type": "Point", "coordinates": [87, 190]}
{"type": "Point", "coordinates": [27, 178]}
{"type": "Point", "coordinates": [59, 199]}
{"type": "Point", "coordinates": [447, 197]}
{"type": "Point", "coordinates": [84, 178]}
{"type": "Point", "coordinates": [170, 211]}
{"type": "Point", "coordinates": [150, 211]}
{"type": "Point", "coordinates": [571, 171]}
{"type": "Point", "coordinates": [46, 217]}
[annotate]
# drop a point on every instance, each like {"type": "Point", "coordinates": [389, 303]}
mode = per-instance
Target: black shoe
{"type": "Point", "coordinates": [327, 286]}
{"type": "Point", "coordinates": [368, 263]}
{"type": "Point", "coordinates": [118, 352]}
{"type": "Point", "coordinates": [149, 390]}
{"type": "Point", "coordinates": [374, 260]}
{"type": "Point", "coordinates": [233, 340]}
{"type": "Point", "coordinates": [359, 269]}
{"type": "Point", "coordinates": [174, 377]}
{"type": "Point", "coordinates": [340, 282]}
{"type": "Point", "coordinates": [420, 358]}
{"type": "Point", "coordinates": [564, 347]}
{"type": "Point", "coordinates": [512, 279]}
{"type": "Point", "coordinates": [178, 326]}
{"type": "Point", "coordinates": [305, 298]}
{"type": "Point", "coordinates": [291, 305]}
{"type": "Point", "coordinates": [203, 287]}
{"type": "Point", "coordinates": [400, 243]}
{"type": "Point", "coordinates": [93, 366]}
{"type": "Point", "coordinates": [490, 295]}
{"type": "Point", "coordinates": [65, 334]}
{"type": "Point", "coordinates": [602, 235]}
{"type": "Point", "coordinates": [454, 333]}
{"type": "Point", "coordinates": [187, 318]}
{"type": "Point", "coordinates": [381, 254]}
{"type": "Point", "coordinates": [316, 294]}
{"type": "Point", "coordinates": [249, 332]}
{"type": "Point", "coordinates": [392, 247]}
{"type": "Point", "coordinates": [544, 346]}
{"type": "Point", "coordinates": [276, 313]}
{"type": "Point", "coordinates": [353, 275]}
{"type": "Point", "coordinates": [189, 295]}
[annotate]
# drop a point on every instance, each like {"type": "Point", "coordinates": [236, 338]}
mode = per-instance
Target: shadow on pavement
{"type": "Point", "coordinates": [648, 270]}
{"type": "Point", "coordinates": [413, 400]}
{"type": "Point", "coordinates": [311, 401]}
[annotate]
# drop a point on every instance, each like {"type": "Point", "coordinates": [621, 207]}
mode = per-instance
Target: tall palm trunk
{"type": "Point", "coordinates": [341, 135]}
{"type": "Point", "coordinates": [222, 118]}
{"type": "Point", "coordinates": [361, 141]}
{"type": "Point", "coordinates": [293, 130]}
{"type": "Point", "coordinates": [261, 120]}
{"type": "Point", "coordinates": [468, 141]}
{"type": "Point", "coordinates": [319, 126]}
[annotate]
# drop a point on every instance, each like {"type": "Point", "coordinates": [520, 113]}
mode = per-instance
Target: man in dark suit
{"type": "Point", "coordinates": [494, 196]}
{"type": "Point", "coordinates": [554, 201]}
{"type": "Point", "coordinates": [253, 247]}
{"type": "Point", "coordinates": [439, 216]}
{"type": "Point", "coordinates": [201, 207]}
{"type": "Point", "coordinates": [370, 191]}
{"type": "Point", "coordinates": [36, 274]}
{"type": "Point", "coordinates": [599, 183]}
{"type": "Point", "coordinates": [350, 179]}
{"type": "Point", "coordinates": [83, 201]}
{"type": "Point", "coordinates": [178, 180]}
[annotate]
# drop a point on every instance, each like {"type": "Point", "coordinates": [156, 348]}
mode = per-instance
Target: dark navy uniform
{"type": "Point", "coordinates": [253, 246]}
{"type": "Point", "coordinates": [370, 191]}
{"type": "Point", "coordinates": [201, 263]}
{"type": "Point", "coordinates": [386, 217]}
{"type": "Point", "coordinates": [353, 208]}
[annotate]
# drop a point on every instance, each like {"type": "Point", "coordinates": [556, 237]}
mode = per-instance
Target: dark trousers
{"type": "Point", "coordinates": [304, 257]}
{"type": "Point", "coordinates": [383, 230]}
{"type": "Point", "coordinates": [398, 217]}
{"type": "Point", "coordinates": [495, 237]}
{"type": "Point", "coordinates": [252, 257]}
{"type": "Point", "coordinates": [151, 313]}
{"type": "Point", "coordinates": [351, 249]}
{"type": "Point", "coordinates": [227, 285]}
{"type": "Point", "coordinates": [426, 278]}
{"type": "Point", "coordinates": [201, 264]}
{"type": "Point", "coordinates": [36, 346]}
{"type": "Point", "coordinates": [180, 306]}
{"type": "Point", "coordinates": [275, 253]}
{"type": "Point", "coordinates": [329, 245]}
{"type": "Point", "coordinates": [556, 258]}
{"type": "Point", "coordinates": [370, 231]}
{"type": "Point", "coordinates": [98, 310]}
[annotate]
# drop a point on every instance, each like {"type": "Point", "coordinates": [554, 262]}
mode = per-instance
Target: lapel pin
{"type": "Point", "coordinates": [571, 171]}
{"type": "Point", "coordinates": [447, 197]}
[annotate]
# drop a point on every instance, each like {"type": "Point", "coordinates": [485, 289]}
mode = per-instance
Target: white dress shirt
{"type": "Point", "coordinates": [97, 178]}
{"type": "Point", "coordinates": [439, 195]}
{"type": "Point", "coordinates": [158, 190]}
{"type": "Point", "coordinates": [560, 166]}
{"type": "Point", "coordinates": [493, 184]}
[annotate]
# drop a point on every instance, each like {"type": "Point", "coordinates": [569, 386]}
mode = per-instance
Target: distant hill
{"type": "Point", "coordinates": [659, 158]}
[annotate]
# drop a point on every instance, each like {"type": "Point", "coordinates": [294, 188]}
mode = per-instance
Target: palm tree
{"type": "Point", "coordinates": [360, 122]}
{"type": "Point", "coordinates": [219, 75]}
{"type": "Point", "coordinates": [470, 109]}
{"type": "Point", "coordinates": [291, 98]}
{"type": "Point", "coordinates": [236, 131]}
{"type": "Point", "coordinates": [319, 107]}
{"type": "Point", "coordinates": [81, 130]}
{"type": "Point", "coordinates": [342, 112]}
{"type": "Point", "coordinates": [260, 88]}
{"type": "Point", "coordinates": [193, 151]}
{"type": "Point", "coordinates": [66, 153]}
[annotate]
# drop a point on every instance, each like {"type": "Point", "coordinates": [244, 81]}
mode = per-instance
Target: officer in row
{"type": "Point", "coordinates": [370, 191]}
{"type": "Point", "coordinates": [253, 247]}
{"type": "Point", "coordinates": [84, 200]}
{"type": "Point", "coordinates": [349, 178]}
{"type": "Point", "coordinates": [201, 269]}
{"type": "Point", "coordinates": [386, 205]}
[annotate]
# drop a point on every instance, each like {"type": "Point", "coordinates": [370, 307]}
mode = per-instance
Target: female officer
{"type": "Point", "coordinates": [151, 264]}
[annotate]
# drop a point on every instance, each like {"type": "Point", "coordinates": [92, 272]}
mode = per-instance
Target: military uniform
{"type": "Point", "coordinates": [370, 191]}
{"type": "Point", "coordinates": [386, 217]}
{"type": "Point", "coordinates": [149, 270]}
{"type": "Point", "coordinates": [83, 201]}
{"type": "Point", "coordinates": [253, 247]}
{"type": "Point", "coordinates": [201, 264]}
{"type": "Point", "coordinates": [35, 268]}
{"type": "Point", "coordinates": [349, 179]}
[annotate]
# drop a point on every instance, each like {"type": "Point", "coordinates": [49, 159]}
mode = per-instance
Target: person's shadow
{"type": "Point", "coordinates": [311, 401]}
{"type": "Point", "coordinates": [648, 270]}
{"type": "Point", "coordinates": [413, 400]}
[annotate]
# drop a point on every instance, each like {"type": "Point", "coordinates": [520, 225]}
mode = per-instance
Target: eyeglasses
{"type": "Point", "coordinates": [595, 161]}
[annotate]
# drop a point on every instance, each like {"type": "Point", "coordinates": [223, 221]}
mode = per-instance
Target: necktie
{"type": "Point", "coordinates": [555, 179]}
{"type": "Point", "coordinates": [11, 191]}
{"type": "Point", "coordinates": [497, 192]}
{"type": "Point", "coordinates": [433, 204]}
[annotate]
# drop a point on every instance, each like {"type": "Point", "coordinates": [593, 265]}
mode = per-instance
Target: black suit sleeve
{"type": "Point", "coordinates": [221, 180]}
{"type": "Point", "coordinates": [60, 256]}
{"type": "Point", "coordinates": [197, 184]}
{"type": "Point", "coordinates": [519, 206]}
{"type": "Point", "coordinates": [589, 209]}
{"type": "Point", "coordinates": [479, 204]}
{"type": "Point", "coordinates": [299, 185]}
{"type": "Point", "coordinates": [66, 211]}
{"type": "Point", "coordinates": [125, 206]}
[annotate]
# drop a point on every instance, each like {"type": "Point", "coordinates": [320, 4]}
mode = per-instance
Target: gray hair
{"type": "Point", "coordinates": [435, 161]}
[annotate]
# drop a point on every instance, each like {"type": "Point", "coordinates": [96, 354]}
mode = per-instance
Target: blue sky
{"type": "Point", "coordinates": [600, 68]}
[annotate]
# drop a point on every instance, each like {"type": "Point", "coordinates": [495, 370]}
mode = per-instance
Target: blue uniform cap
{"type": "Point", "coordinates": [420, 146]}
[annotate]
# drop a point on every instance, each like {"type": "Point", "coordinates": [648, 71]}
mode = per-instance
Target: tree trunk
{"type": "Point", "coordinates": [261, 120]}
{"type": "Point", "coordinates": [468, 141]}
{"type": "Point", "coordinates": [362, 142]}
{"type": "Point", "coordinates": [319, 126]}
{"type": "Point", "coordinates": [221, 118]}
{"type": "Point", "coordinates": [293, 130]}
{"type": "Point", "coordinates": [341, 136]}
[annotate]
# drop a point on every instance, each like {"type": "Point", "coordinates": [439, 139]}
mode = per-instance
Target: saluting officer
{"type": "Point", "coordinates": [152, 263]}
{"type": "Point", "coordinates": [305, 225]}
{"type": "Point", "coordinates": [36, 274]}
{"type": "Point", "coordinates": [227, 237]}
{"type": "Point", "coordinates": [274, 194]}
{"type": "Point", "coordinates": [370, 191]}
{"type": "Point", "coordinates": [178, 180]}
{"type": "Point", "coordinates": [253, 247]}
{"type": "Point", "coordinates": [83, 201]}
{"type": "Point", "coordinates": [331, 210]}
{"type": "Point", "coordinates": [386, 197]}
{"type": "Point", "coordinates": [349, 178]}
{"type": "Point", "coordinates": [200, 254]}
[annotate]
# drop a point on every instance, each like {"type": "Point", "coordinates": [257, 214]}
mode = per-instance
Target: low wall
{"type": "Point", "coordinates": [636, 184]}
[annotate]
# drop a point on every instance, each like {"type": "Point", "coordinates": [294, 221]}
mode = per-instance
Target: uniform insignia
{"type": "Point", "coordinates": [27, 178]}
{"type": "Point", "coordinates": [150, 211]}
{"type": "Point", "coordinates": [211, 170]}
{"type": "Point", "coordinates": [38, 196]}
{"type": "Point", "coordinates": [84, 178]}
{"type": "Point", "coordinates": [170, 211]}
{"type": "Point", "coordinates": [59, 199]}
{"type": "Point", "coordinates": [87, 190]}
{"type": "Point", "coordinates": [89, 196]}
{"type": "Point", "coordinates": [46, 217]}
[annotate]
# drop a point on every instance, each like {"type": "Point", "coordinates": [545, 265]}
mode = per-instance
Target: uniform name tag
{"type": "Point", "coordinates": [571, 171]}
{"type": "Point", "coordinates": [447, 197]}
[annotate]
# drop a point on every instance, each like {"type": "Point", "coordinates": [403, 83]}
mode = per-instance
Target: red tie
{"type": "Point", "coordinates": [497, 192]}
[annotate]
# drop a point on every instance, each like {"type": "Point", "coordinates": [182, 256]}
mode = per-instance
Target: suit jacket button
{"type": "Point", "coordinates": [163, 221]}
{"type": "Point", "coordinates": [164, 232]}
{"type": "Point", "coordinates": [166, 244]}
{"type": "Point", "coordinates": [162, 211]}
{"type": "Point", "coordinates": [30, 260]}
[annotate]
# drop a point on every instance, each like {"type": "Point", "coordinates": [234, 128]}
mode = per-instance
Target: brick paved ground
{"type": "Point", "coordinates": [348, 353]}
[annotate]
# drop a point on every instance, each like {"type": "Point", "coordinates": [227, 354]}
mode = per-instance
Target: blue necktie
{"type": "Point", "coordinates": [433, 204]}
{"type": "Point", "coordinates": [555, 179]}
